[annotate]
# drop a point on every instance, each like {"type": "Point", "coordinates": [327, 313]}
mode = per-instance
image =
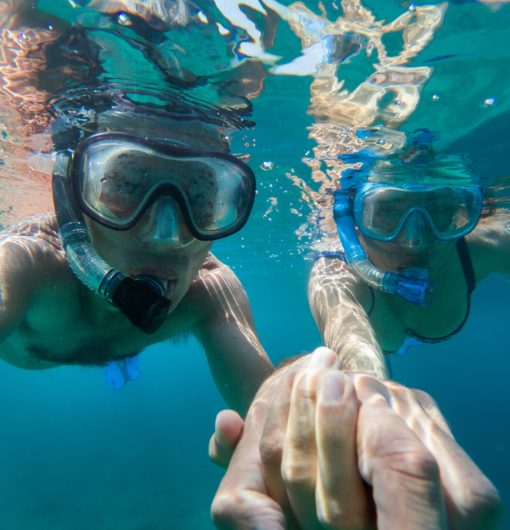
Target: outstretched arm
{"type": "Point", "coordinates": [236, 357]}
{"type": "Point", "coordinates": [16, 286]}
{"type": "Point", "coordinates": [315, 437]}
{"type": "Point", "coordinates": [337, 300]}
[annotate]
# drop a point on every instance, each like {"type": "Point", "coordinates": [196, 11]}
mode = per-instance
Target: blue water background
{"type": "Point", "coordinates": [76, 455]}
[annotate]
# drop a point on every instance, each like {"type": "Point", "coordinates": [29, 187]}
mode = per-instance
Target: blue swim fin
{"type": "Point", "coordinates": [132, 367]}
{"type": "Point", "coordinates": [114, 376]}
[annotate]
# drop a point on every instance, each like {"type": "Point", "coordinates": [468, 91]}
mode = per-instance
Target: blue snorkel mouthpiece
{"type": "Point", "coordinates": [413, 284]}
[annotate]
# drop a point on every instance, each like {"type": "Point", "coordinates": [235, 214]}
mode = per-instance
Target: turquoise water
{"type": "Point", "coordinates": [74, 454]}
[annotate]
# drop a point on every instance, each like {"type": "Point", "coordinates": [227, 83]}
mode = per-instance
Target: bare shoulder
{"type": "Point", "coordinates": [216, 286]}
{"type": "Point", "coordinates": [30, 256]}
{"type": "Point", "coordinates": [214, 270]}
{"type": "Point", "coordinates": [36, 237]}
{"type": "Point", "coordinates": [489, 244]}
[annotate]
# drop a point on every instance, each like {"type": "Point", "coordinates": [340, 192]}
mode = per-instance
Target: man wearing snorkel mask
{"type": "Point", "coordinates": [139, 197]}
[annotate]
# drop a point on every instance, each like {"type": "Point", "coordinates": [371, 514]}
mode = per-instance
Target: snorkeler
{"type": "Point", "coordinates": [125, 263]}
{"type": "Point", "coordinates": [135, 219]}
{"type": "Point", "coordinates": [412, 254]}
{"type": "Point", "coordinates": [140, 195]}
{"type": "Point", "coordinates": [414, 250]}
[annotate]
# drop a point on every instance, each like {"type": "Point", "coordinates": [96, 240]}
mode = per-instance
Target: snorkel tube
{"type": "Point", "coordinates": [412, 285]}
{"type": "Point", "coordinates": [141, 299]}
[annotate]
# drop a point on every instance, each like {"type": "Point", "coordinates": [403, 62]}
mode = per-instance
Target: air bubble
{"type": "Point", "coordinates": [123, 19]}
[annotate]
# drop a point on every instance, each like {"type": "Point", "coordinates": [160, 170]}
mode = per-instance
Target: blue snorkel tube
{"type": "Point", "coordinates": [412, 285]}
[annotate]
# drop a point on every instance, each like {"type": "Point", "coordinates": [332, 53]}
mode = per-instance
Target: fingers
{"type": "Point", "coordinates": [341, 496]}
{"type": "Point", "coordinates": [241, 502]}
{"type": "Point", "coordinates": [299, 457]}
{"type": "Point", "coordinates": [275, 430]}
{"type": "Point", "coordinates": [403, 473]}
{"type": "Point", "coordinates": [228, 430]}
{"type": "Point", "coordinates": [472, 500]}
{"type": "Point", "coordinates": [246, 510]}
{"type": "Point", "coordinates": [273, 440]}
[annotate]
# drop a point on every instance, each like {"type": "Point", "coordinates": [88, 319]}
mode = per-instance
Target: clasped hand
{"type": "Point", "coordinates": [322, 448]}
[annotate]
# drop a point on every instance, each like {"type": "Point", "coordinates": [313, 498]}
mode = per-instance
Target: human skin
{"type": "Point", "coordinates": [49, 318]}
{"type": "Point", "coordinates": [49, 313]}
{"type": "Point", "coordinates": [339, 299]}
{"type": "Point", "coordinates": [326, 448]}
{"type": "Point", "coordinates": [297, 443]}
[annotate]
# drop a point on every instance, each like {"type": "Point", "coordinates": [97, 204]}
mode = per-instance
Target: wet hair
{"type": "Point", "coordinates": [448, 169]}
{"type": "Point", "coordinates": [79, 113]}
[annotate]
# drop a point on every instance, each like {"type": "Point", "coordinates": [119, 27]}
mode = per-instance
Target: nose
{"type": "Point", "coordinates": [416, 234]}
{"type": "Point", "coordinates": [166, 224]}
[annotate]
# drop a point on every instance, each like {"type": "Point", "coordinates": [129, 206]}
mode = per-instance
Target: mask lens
{"type": "Point", "coordinates": [118, 179]}
{"type": "Point", "coordinates": [381, 211]}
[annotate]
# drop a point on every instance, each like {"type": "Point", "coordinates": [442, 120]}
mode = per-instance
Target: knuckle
{"type": "Point", "coordinates": [270, 448]}
{"type": "Point", "coordinates": [425, 400]}
{"type": "Point", "coordinates": [296, 476]}
{"type": "Point", "coordinates": [483, 506]}
{"type": "Point", "coordinates": [245, 509]}
{"type": "Point", "coordinates": [225, 508]}
{"type": "Point", "coordinates": [417, 463]}
{"type": "Point", "coordinates": [332, 516]}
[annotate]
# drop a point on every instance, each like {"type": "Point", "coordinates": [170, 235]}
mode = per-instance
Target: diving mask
{"type": "Point", "coordinates": [381, 210]}
{"type": "Point", "coordinates": [117, 177]}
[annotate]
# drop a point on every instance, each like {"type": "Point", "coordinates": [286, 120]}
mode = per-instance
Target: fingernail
{"type": "Point", "coordinates": [331, 387]}
{"type": "Point", "coordinates": [322, 357]}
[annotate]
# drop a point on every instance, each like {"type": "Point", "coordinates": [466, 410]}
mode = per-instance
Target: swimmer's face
{"type": "Point", "coordinates": [160, 243]}
{"type": "Point", "coordinates": [414, 247]}
{"type": "Point", "coordinates": [152, 247]}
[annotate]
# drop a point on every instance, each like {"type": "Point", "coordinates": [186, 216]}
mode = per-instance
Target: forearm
{"type": "Point", "coordinates": [352, 338]}
{"type": "Point", "coordinates": [333, 294]}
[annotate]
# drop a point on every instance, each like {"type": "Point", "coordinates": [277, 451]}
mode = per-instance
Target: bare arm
{"type": "Point", "coordinates": [489, 245]}
{"type": "Point", "coordinates": [335, 296]}
{"type": "Point", "coordinates": [16, 272]}
{"type": "Point", "coordinates": [236, 357]}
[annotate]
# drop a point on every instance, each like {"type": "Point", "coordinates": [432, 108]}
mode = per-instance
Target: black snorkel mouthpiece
{"type": "Point", "coordinates": [141, 300]}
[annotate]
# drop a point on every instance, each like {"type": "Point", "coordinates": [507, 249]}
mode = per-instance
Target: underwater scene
{"type": "Point", "coordinates": [347, 160]}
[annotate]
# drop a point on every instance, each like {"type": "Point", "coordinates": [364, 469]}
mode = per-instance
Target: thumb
{"type": "Point", "coordinates": [242, 501]}
{"type": "Point", "coordinates": [227, 432]}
